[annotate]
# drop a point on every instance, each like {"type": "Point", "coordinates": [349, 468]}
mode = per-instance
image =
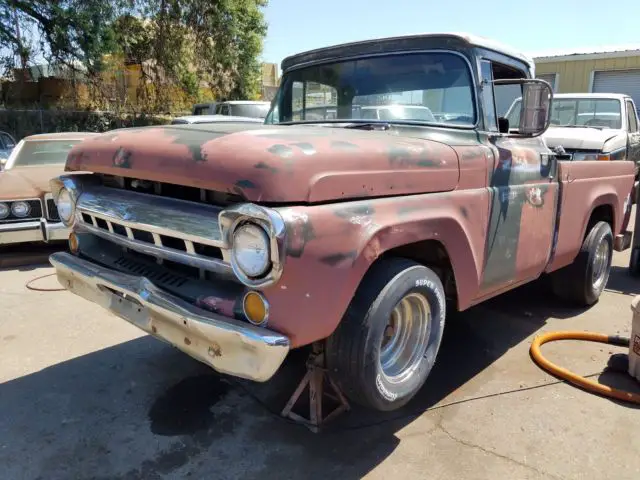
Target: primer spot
{"type": "Point", "coordinates": [245, 184]}
{"type": "Point", "coordinates": [281, 150]}
{"type": "Point", "coordinates": [306, 148]}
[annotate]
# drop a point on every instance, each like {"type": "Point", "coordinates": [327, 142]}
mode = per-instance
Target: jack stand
{"type": "Point", "coordinates": [315, 378]}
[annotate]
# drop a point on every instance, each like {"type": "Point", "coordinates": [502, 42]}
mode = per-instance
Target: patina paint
{"type": "Point", "coordinates": [275, 164]}
{"type": "Point", "coordinates": [583, 189]}
{"type": "Point", "coordinates": [522, 214]}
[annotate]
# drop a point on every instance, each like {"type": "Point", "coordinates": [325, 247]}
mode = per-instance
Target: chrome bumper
{"type": "Point", "coordinates": [228, 345]}
{"type": "Point", "coordinates": [32, 231]}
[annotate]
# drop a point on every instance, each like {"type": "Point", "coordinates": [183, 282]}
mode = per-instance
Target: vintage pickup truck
{"type": "Point", "coordinates": [239, 242]}
{"type": "Point", "coordinates": [591, 126]}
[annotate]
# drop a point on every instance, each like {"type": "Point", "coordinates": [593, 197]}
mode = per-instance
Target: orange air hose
{"type": "Point", "coordinates": [573, 378]}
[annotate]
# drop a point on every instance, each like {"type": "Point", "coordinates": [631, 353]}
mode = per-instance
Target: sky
{"type": "Point", "coordinates": [532, 27]}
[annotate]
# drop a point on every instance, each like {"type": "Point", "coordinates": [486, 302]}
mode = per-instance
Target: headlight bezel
{"type": "Point", "coordinates": [72, 205]}
{"type": "Point", "coordinates": [272, 223]}
{"type": "Point", "coordinates": [20, 203]}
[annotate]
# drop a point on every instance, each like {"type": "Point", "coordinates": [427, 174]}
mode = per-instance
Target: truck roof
{"type": "Point", "coordinates": [409, 42]}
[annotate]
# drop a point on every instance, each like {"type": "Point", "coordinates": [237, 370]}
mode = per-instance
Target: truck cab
{"type": "Point", "coordinates": [238, 242]}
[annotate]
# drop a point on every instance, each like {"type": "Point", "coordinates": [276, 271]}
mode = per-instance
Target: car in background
{"type": "Point", "coordinates": [7, 144]}
{"type": "Point", "coordinates": [243, 108]}
{"type": "Point", "coordinates": [27, 210]}
{"type": "Point", "coordinates": [190, 119]}
{"type": "Point", "coordinates": [397, 112]}
{"type": "Point", "coordinates": [590, 126]}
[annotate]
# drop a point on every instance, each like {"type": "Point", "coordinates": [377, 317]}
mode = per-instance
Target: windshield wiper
{"type": "Point", "coordinates": [370, 125]}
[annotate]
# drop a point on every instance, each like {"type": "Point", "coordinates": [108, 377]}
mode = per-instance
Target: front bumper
{"type": "Point", "coordinates": [32, 231]}
{"type": "Point", "coordinates": [228, 345]}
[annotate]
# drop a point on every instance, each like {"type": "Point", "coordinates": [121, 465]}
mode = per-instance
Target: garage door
{"type": "Point", "coordinates": [550, 78]}
{"type": "Point", "coordinates": [619, 81]}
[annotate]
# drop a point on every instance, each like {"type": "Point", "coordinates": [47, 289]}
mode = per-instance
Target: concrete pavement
{"type": "Point", "coordinates": [85, 395]}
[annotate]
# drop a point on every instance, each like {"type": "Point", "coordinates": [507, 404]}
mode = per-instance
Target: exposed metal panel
{"type": "Point", "coordinates": [619, 81]}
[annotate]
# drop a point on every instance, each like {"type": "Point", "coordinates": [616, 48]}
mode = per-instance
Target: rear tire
{"type": "Point", "coordinates": [386, 344]}
{"type": "Point", "coordinates": [583, 281]}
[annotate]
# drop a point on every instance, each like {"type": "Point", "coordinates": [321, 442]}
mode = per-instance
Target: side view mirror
{"type": "Point", "coordinates": [535, 113]}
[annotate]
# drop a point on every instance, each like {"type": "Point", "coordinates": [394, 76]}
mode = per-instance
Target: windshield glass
{"type": "Point", "coordinates": [578, 112]}
{"type": "Point", "coordinates": [43, 152]}
{"type": "Point", "coordinates": [250, 110]}
{"type": "Point", "coordinates": [419, 87]}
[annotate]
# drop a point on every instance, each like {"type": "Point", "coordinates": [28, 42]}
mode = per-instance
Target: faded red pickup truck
{"type": "Point", "coordinates": [239, 242]}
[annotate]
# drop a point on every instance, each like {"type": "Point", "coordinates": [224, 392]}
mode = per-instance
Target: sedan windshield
{"type": "Point", "coordinates": [417, 88]}
{"type": "Point", "coordinates": [43, 152]}
{"type": "Point", "coordinates": [579, 112]}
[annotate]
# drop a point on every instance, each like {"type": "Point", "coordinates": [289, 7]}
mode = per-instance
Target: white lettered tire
{"type": "Point", "coordinates": [386, 345]}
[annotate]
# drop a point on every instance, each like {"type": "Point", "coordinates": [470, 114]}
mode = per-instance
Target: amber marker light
{"type": "Point", "coordinates": [256, 308]}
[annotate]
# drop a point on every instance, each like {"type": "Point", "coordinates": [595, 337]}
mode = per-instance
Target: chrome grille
{"type": "Point", "coordinates": [167, 229]}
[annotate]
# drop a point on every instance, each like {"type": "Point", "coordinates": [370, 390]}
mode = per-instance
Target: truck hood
{"type": "Point", "coordinates": [579, 138]}
{"type": "Point", "coordinates": [27, 182]}
{"type": "Point", "coordinates": [269, 163]}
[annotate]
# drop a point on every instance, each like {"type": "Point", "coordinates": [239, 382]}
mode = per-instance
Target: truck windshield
{"type": "Point", "coordinates": [578, 112]}
{"type": "Point", "coordinates": [434, 88]}
{"type": "Point", "coordinates": [255, 110]}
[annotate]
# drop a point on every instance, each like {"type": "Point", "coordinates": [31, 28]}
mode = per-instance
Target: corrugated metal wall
{"type": "Point", "coordinates": [576, 74]}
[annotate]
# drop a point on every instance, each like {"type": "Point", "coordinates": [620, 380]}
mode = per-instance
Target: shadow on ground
{"type": "Point", "coordinates": [621, 281]}
{"type": "Point", "coordinates": [29, 256]}
{"type": "Point", "coordinates": [141, 409]}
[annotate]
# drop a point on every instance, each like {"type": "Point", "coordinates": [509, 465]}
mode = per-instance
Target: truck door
{"type": "Point", "coordinates": [633, 151]}
{"type": "Point", "coordinates": [523, 192]}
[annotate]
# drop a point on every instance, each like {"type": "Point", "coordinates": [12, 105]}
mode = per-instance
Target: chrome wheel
{"type": "Point", "coordinates": [600, 265]}
{"type": "Point", "coordinates": [405, 337]}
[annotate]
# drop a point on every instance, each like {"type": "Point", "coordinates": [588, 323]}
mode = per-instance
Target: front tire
{"type": "Point", "coordinates": [583, 281]}
{"type": "Point", "coordinates": [386, 344]}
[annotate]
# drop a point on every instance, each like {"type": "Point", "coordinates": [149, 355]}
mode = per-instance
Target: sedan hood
{"type": "Point", "coordinates": [268, 163]}
{"type": "Point", "coordinates": [579, 138]}
{"type": "Point", "coordinates": [27, 182]}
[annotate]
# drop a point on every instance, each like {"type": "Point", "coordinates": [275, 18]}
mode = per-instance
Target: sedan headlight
{"type": "Point", "coordinates": [20, 209]}
{"type": "Point", "coordinates": [250, 250]}
{"type": "Point", "coordinates": [4, 210]}
{"type": "Point", "coordinates": [65, 206]}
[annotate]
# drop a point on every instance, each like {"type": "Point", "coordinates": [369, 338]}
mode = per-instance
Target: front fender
{"type": "Point", "coordinates": [329, 248]}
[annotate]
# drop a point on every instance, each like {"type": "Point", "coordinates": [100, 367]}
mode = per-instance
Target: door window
{"type": "Point", "coordinates": [632, 120]}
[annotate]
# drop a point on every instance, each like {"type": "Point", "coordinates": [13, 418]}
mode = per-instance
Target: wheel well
{"type": "Point", "coordinates": [432, 254]}
{"type": "Point", "coordinates": [602, 213]}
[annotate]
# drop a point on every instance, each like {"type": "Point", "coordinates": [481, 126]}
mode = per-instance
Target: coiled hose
{"type": "Point", "coordinates": [573, 378]}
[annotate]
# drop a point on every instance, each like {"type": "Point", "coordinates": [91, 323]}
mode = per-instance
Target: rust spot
{"type": "Point", "coordinates": [365, 210]}
{"type": "Point", "coordinates": [122, 158]}
{"type": "Point", "coordinates": [215, 350]}
{"type": "Point", "coordinates": [281, 150]}
{"type": "Point", "coordinates": [464, 211]}
{"type": "Point", "coordinates": [264, 166]}
{"type": "Point", "coordinates": [306, 148]}
{"type": "Point", "coordinates": [299, 232]}
{"type": "Point", "coordinates": [187, 341]}
{"type": "Point", "coordinates": [338, 258]}
{"type": "Point", "coordinates": [154, 329]}
{"type": "Point", "coordinates": [245, 184]}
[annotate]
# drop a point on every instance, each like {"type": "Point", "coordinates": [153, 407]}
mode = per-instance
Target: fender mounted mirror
{"type": "Point", "coordinates": [535, 112]}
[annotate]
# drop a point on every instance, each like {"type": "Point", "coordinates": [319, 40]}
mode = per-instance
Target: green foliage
{"type": "Point", "coordinates": [184, 44]}
{"type": "Point", "coordinates": [20, 123]}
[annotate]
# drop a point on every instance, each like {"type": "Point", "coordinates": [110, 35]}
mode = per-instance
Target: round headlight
{"type": "Point", "coordinates": [20, 209]}
{"type": "Point", "coordinates": [4, 210]}
{"type": "Point", "coordinates": [251, 250]}
{"type": "Point", "coordinates": [64, 203]}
